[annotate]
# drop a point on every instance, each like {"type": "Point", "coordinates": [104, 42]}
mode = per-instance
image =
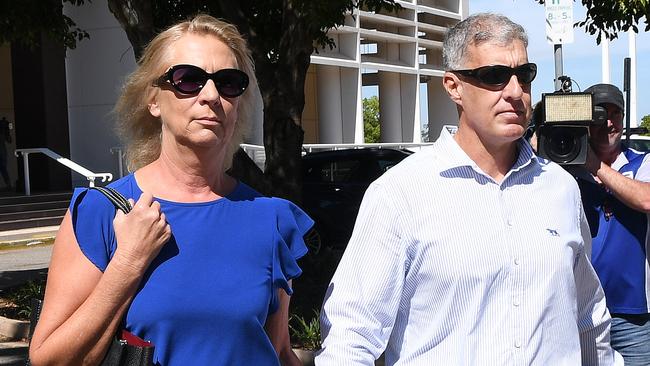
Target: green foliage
{"type": "Point", "coordinates": [645, 122]}
{"type": "Point", "coordinates": [424, 133]}
{"type": "Point", "coordinates": [25, 21]}
{"type": "Point", "coordinates": [21, 298]}
{"type": "Point", "coordinates": [609, 17]}
{"type": "Point", "coordinates": [371, 128]}
{"type": "Point", "coordinates": [305, 333]}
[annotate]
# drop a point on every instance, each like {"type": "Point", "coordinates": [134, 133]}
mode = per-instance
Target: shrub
{"type": "Point", "coordinates": [19, 299]}
{"type": "Point", "coordinates": [305, 333]}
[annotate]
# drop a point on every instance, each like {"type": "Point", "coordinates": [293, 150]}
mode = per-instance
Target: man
{"type": "Point", "coordinates": [472, 252]}
{"type": "Point", "coordinates": [616, 198]}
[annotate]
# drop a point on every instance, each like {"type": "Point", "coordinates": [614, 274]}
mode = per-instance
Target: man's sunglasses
{"type": "Point", "coordinates": [499, 75]}
{"type": "Point", "coordinates": [190, 79]}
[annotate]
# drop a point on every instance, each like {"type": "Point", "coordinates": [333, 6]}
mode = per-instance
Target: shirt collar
{"type": "Point", "coordinates": [454, 156]}
{"type": "Point", "coordinates": [620, 161]}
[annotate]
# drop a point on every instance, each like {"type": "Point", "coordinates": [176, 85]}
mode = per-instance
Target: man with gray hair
{"type": "Point", "coordinates": [472, 252]}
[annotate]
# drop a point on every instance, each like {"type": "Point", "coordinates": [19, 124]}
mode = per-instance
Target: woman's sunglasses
{"type": "Point", "coordinates": [190, 79]}
{"type": "Point", "coordinates": [499, 75]}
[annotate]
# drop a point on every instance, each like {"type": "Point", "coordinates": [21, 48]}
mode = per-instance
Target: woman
{"type": "Point", "coordinates": [202, 265]}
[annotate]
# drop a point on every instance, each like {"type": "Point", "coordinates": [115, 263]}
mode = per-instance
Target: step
{"type": "Point", "coordinates": [21, 215]}
{"type": "Point", "coordinates": [33, 206]}
{"type": "Point", "coordinates": [34, 198]}
{"type": "Point", "coordinates": [30, 223]}
{"type": "Point", "coordinates": [13, 353]}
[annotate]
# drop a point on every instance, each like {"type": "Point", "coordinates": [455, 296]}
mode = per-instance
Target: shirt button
{"type": "Point", "coordinates": [516, 303]}
{"type": "Point", "coordinates": [516, 261]}
{"type": "Point", "coordinates": [518, 344]}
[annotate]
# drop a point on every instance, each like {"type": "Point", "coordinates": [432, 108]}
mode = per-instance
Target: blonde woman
{"type": "Point", "coordinates": [202, 265]}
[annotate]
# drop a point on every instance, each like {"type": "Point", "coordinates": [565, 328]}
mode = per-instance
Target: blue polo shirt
{"type": "Point", "coordinates": [620, 239]}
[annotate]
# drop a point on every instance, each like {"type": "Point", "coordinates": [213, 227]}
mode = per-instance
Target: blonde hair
{"type": "Point", "coordinates": [138, 129]}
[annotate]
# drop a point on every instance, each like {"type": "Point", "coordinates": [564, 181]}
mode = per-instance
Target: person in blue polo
{"type": "Point", "coordinates": [616, 199]}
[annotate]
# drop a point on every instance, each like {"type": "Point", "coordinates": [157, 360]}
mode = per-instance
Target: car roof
{"type": "Point", "coordinates": [355, 153]}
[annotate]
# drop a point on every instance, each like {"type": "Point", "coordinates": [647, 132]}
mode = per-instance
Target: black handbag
{"type": "Point", "coordinates": [129, 350]}
{"type": "Point", "coordinates": [126, 349]}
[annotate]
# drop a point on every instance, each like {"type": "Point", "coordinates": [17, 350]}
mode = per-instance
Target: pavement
{"type": "Point", "coordinates": [18, 265]}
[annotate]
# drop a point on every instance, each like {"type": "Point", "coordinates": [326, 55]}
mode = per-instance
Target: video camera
{"type": "Point", "coordinates": [562, 120]}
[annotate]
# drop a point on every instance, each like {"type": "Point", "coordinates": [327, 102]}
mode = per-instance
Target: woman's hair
{"type": "Point", "coordinates": [138, 129]}
{"type": "Point", "coordinates": [476, 30]}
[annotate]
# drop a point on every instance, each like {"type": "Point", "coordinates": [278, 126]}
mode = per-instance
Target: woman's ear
{"type": "Point", "coordinates": [453, 86]}
{"type": "Point", "coordinates": [154, 109]}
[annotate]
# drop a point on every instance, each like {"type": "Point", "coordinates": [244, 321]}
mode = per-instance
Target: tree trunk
{"type": "Point", "coordinates": [137, 20]}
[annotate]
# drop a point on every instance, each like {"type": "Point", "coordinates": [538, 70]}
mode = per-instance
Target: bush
{"type": "Point", "coordinates": [305, 333]}
{"type": "Point", "coordinates": [18, 300]}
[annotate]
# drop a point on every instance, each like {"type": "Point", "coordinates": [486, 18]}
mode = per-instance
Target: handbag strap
{"type": "Point", "coordinates": [118, 200]}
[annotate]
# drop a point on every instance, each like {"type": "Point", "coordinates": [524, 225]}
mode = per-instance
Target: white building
{"type": "Point", "coordinates": [398, 54]}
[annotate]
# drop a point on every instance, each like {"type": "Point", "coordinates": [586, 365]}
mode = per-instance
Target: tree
{"type": "Point", "coordinates": [424, 134]}
{"type": "Point", "coordinates": [609, 17]}
{"type": "Point", "coordinates": [645, 122]}
{"type": "Point", "coordinates": [23, 22]}
{"type": "Point", "coordinates": [282, 35]}
{"type": "Point", "coordinates": [371, 119]}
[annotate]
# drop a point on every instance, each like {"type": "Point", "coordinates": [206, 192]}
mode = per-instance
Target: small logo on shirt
{"type": "Point", "coordinates": [553, 232]}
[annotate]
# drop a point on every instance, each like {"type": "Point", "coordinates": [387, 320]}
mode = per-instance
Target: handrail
{"type": "Point", "coordinates": [60, 159]}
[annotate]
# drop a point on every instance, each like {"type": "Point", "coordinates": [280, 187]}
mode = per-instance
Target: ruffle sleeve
{"type": "Point", "coordinates": [292, 225]}
{"type": "Point", "coordinates": [92, 221]}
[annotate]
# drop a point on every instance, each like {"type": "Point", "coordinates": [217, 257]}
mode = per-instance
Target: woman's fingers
{"type": "Point", "coordinates": [143, 232]}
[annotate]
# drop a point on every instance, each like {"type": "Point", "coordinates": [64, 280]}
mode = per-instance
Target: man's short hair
{"type": "Point", "coordinates": [475, 30]}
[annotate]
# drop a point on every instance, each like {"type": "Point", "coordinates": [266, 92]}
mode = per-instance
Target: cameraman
{"type": "Point", "coordinates": [616, 199]}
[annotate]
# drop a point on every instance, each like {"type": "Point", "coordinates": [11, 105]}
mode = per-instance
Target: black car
{"type": "Point", "coordinates": [334, 183]}
{"type": "Point", "coordinates": [638, 142]}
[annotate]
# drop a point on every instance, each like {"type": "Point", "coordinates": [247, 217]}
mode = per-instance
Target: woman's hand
{"type": "Point", "coordinates": [141, 233]}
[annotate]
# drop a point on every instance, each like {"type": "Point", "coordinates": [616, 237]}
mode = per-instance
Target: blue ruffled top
{"type": "Point", "coordinates": [205, 298]}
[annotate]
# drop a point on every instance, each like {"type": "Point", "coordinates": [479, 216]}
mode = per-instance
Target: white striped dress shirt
{"type": "Point", "coordinates": [448, 267]}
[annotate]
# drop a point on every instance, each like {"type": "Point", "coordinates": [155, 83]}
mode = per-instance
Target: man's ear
{"type": "Point", "coordinates": [453, 86]}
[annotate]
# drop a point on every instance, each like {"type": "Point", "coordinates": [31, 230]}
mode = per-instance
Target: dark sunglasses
{"type": "Point", "coordinates": [190, 79]}
{"type": "Point", "coordinates": [499, 75]}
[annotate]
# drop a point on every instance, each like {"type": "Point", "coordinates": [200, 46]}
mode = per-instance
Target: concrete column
{"type": "Point", "coordinates": [330, 127]}
{"type": "Point", "coordinates": [604, 47]}
{"type": "Point", "coordinates": [256, 135]}
{"type": "Point", "coordinates": [442, 111]}
{"type": "Point", "coordinates": [390, 111]}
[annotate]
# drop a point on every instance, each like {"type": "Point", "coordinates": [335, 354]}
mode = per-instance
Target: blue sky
{"type": "Point", "coordinates": [582, 58]}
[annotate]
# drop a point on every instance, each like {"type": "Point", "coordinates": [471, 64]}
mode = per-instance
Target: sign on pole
{"type": "Point", "coordinates": [559, 21]}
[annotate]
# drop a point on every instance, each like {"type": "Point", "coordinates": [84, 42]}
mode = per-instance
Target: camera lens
{"type": "Point", "coordinates": [563, 145]}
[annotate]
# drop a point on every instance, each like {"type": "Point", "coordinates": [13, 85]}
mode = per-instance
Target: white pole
{"type": "Point", "coordinates": [605, 60]}
{"type": "Point", "coordinates": [634, 122]}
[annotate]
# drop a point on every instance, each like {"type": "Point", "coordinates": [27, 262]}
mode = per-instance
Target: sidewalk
{"type": "Point", "coordinates": [27, 237]}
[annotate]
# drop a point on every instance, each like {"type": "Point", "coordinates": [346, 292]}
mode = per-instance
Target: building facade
{"type": "Point", "coordinates": [397, 56]}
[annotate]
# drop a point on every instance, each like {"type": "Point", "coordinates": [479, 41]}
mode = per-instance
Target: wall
{"type": "Point", "coordinates": [95, 72]}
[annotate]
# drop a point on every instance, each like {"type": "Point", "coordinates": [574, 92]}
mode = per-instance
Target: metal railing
{"type": "Point", "coordinates": [309, 148]}
{"type": "Point", "coordinates": [60, 159]}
